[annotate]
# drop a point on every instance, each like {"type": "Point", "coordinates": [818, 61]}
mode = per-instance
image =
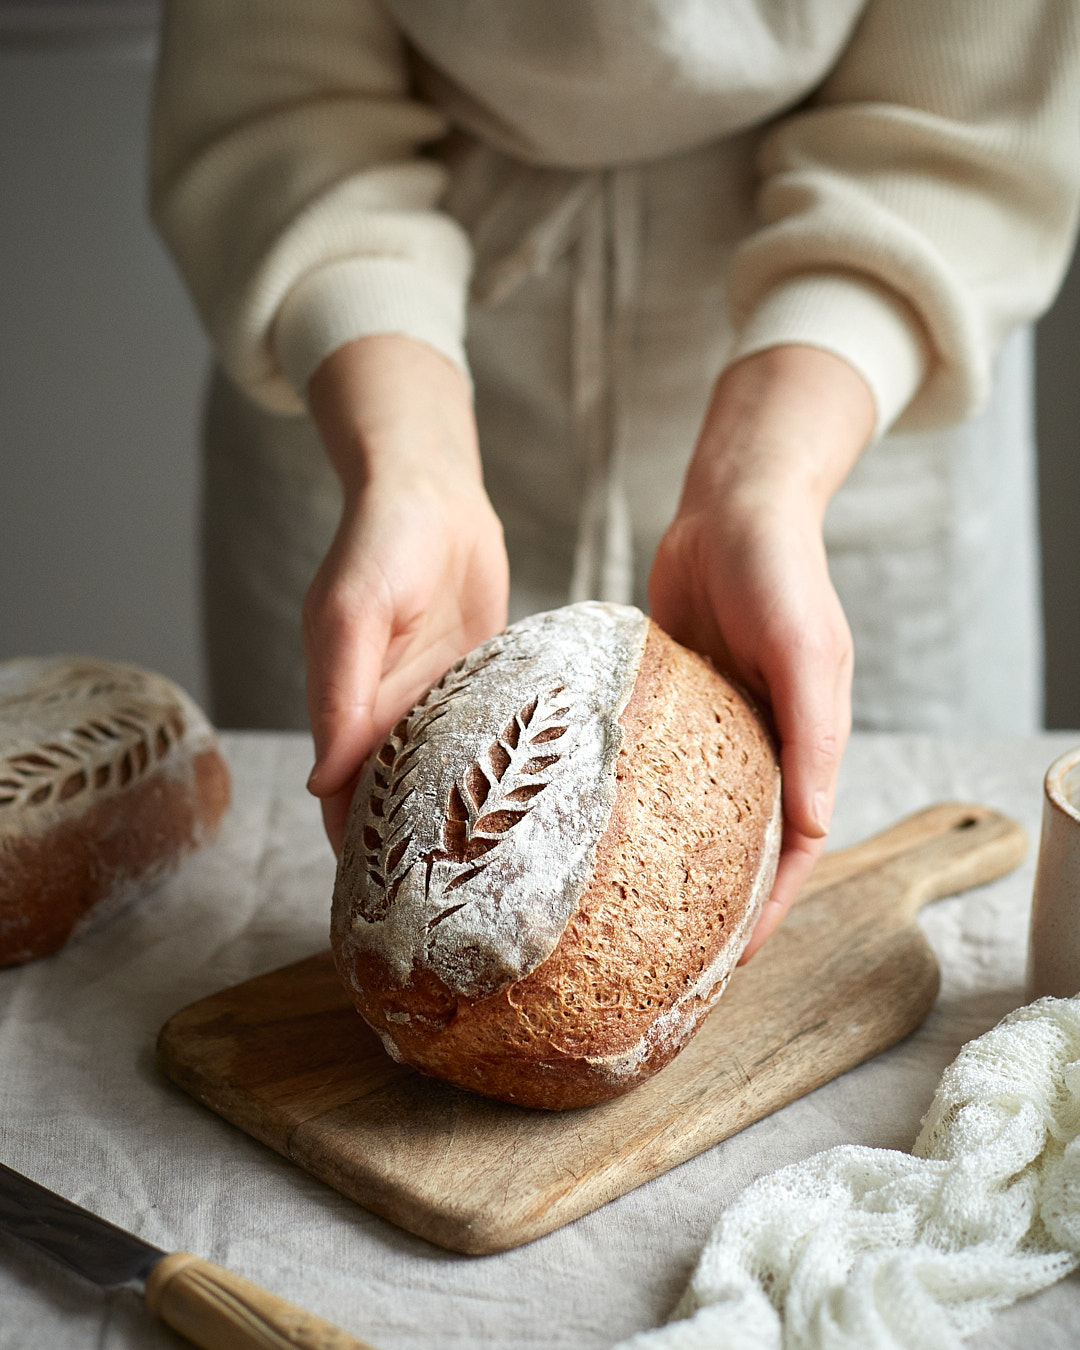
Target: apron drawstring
{"type": "Point", "coordinates": [594, 219]}
{"type": "Point", "coordinates": [605, 270]}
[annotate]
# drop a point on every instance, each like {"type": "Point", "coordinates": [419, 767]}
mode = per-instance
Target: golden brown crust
{"type": "Point", "coordinates": [636, 968]}
{"type": "Point", "coordinates": [94, 811]}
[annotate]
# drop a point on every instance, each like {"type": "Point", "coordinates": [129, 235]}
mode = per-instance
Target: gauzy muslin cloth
{"type": "Point", "coordinates": [864, 1248]}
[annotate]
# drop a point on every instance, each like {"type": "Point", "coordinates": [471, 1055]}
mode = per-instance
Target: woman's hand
{"type": "Point", "coordinates": [417, 573]}
{"type": "Point", "coordinates": [741, 574]}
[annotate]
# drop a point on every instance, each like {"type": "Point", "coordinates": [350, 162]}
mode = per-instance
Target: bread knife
{"type": "Point", "coordinates": [209, 1305]}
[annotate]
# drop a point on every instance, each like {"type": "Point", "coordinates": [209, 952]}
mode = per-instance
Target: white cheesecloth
{"type": "Point", "coordinates": [868, 1249]}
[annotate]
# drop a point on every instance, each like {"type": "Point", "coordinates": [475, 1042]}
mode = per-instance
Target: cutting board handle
{"type": "Point", "coordinates": [945, 849]}
{"type": "Point", "coordinates": [221, 1311]}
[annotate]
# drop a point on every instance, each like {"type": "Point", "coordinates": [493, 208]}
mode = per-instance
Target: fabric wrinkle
{"type": "Point", "coordinates": [860, 1248]}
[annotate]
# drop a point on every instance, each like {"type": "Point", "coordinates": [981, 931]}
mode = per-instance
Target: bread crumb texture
{"type": "Point", "coordinates": [675, 882]}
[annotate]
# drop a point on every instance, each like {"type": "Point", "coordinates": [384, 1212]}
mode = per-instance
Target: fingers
{"type": "Point", "coordinates": [335, 814]}
{"type": "Point", "coordinates": [401, 595]}
{"type": "Point", "coordinates": [346, 642]}
{"type": "Point", "coordinates": [768, 614]}
{"type": "Point", "coordinates": [798, 856]}
{"type": "Point", "coordinates": [809, 680]}
{"type": "Point", "coordinates": [742, 576]}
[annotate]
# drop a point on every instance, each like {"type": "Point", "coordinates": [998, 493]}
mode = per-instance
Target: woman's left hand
{"type": "Point", "coordinates": [741, 574]}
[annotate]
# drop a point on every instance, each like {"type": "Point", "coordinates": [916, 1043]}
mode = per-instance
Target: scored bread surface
{"type": "Point", "coordinates": [108, 773]}
{"type": "Point", "coordinates": [475, 826]}
{"type": "Point", "coordinates": [676, 878]}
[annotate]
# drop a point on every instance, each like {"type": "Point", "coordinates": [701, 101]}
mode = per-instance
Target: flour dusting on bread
{"type": "Point", "coordinates": [475, 826]}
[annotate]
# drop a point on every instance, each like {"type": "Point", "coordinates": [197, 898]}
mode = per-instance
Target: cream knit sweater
{"type": "Point", "coordinates": [919, 165]}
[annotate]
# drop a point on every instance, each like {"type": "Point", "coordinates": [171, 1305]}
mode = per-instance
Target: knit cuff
{"type": "Point", "coordinates": [359, 297]}
{"type": "Point", "coordinates": [863, 324]}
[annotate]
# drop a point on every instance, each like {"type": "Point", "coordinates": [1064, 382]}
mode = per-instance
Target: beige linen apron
{"type": "Point", "coordinates": [597, 327]}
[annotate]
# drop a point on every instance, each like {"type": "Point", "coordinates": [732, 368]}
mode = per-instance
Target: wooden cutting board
{"type": "Point", "coordinates": [286, 1058]}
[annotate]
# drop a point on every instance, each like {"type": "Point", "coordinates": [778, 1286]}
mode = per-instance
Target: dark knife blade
{"type": "Point", "coordinates": [92, 1247]}
{"type": "Point", "coordinates": [209, 1305]}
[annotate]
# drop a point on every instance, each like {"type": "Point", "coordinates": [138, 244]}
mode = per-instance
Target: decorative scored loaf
{"type": "Point", "coordinates": [555, 860]}
{"type": "Point", "coordinates": [108, 775]}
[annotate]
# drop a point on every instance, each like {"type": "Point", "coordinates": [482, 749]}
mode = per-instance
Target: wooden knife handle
{"type": "Point", "coordinates": [220, 1311]}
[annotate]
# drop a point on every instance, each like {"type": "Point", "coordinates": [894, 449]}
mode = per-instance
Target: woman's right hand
{"type": "Point", "coordinates": [417, 573]}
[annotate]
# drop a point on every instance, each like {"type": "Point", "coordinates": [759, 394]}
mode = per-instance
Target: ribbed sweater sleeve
{"type": "Point", "coordinates": [923, 202]}
{"type": "Point", "coordinates": [286, 180]}
{"type": "Point", "coordinates": [915, 208]}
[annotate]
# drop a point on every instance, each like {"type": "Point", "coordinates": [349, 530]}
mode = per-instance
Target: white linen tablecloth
{"type": "Point", "coordinates": [84, 1109]}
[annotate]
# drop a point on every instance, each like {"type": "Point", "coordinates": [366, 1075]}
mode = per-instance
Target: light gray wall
{"type": "Point", "coordinates": [101, 368]}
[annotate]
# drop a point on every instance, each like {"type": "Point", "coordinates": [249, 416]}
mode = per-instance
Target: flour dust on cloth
{"type": "Point", "coordinates": [597, 326]}
{"type": "Point", "coordinates": [868, 1249]}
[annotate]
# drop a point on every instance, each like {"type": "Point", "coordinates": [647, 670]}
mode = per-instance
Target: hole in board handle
{"type": "Point", "coordinates": [968, 823]}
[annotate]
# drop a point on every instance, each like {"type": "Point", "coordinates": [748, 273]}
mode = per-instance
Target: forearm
{"type": "Point", "coordinates": [391, 408]}
{"type": "Point", "coordinates": [783, 429]}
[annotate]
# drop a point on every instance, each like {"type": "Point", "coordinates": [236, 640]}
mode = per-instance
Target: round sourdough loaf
{"type": "Point", "coordinates": [555, 860]}
{"type": "Point", "coordinates": [108, 774]}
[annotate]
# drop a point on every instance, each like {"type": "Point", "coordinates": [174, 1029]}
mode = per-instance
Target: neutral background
{"type": "Point", "coordinates": [102, 367]}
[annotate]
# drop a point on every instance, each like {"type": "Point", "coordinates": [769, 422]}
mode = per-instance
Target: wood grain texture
{"type": "Point", "coordinates": [286, 1058]}
{"type": "Point", "coordinates": [218, 1310]}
